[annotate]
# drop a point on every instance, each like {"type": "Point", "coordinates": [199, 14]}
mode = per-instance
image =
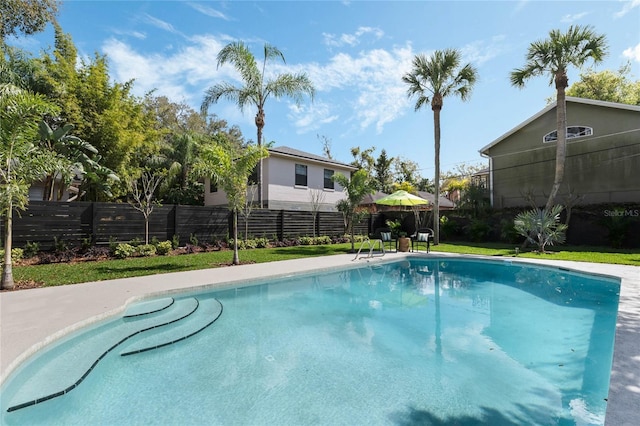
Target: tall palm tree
{"type": "Point", "coordinates": [257, 87]}
{"type": "Point", "coordinates": [430, 81]}
{"type": "Point", "coordinates": [553, 56]}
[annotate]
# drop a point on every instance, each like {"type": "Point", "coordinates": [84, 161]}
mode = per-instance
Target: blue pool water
{"type": "Point", "coordinates": [421, 341]}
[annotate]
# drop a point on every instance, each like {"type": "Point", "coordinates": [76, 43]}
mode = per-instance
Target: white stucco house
{"type": "Point", "coordinates": [291, 178]}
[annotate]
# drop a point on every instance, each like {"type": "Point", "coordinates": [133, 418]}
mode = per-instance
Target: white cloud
{"type": "Point", "coordinates": [365, 89]}
{"type": "Point", "coordinates": [206, 10]}
{"type": "Point", "coordinates": [307, 118]}
{"type": "Point", "coordinates": [627, 7]}
{"type": "Point", "coordinates": [351, 39]}
{"type": "Point", "coordinates": [179, 76]}
{"type": "Point", "coordinates": [568, 19]}
{"type": "Point", "coordinates": [158, 23]}
{"type": "Point", "coordinates": [632, 53]}
{"type": "Point", "coordinates": [480, 51]}
{"type": "Point", "coordinates": [136, 34]}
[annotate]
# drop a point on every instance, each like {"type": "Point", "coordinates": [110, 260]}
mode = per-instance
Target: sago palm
{"type": "Point", "coordinates": [553, 56]}
{"type": "Point", "coordinates": [430, 81]}
{"type": "Point", "coordinates": [257, 87]}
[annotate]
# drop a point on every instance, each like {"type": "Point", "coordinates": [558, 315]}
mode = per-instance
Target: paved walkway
{"type": "Point", "coordinates": [30, 319]}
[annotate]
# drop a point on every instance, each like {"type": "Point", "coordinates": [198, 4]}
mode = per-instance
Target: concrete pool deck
{"type": "Point", "coordinates": [30, 319]}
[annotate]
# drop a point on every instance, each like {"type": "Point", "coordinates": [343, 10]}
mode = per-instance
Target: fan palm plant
{"type": "Point", "coordinates": [541, 226]}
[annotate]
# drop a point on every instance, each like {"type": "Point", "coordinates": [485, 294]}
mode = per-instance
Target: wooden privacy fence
{"type": "Point", "coordinates": [45, 221]}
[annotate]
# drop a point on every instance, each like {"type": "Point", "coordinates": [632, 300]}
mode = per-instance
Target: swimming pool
{"type": "Point", "coordinates": [408, 342]}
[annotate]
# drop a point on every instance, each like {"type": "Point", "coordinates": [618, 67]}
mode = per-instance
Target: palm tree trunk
{"type": "Point", "coordinates": [236, 257]}
{"type": "Point", "coordinates": [7, 270]}
{"type": "Point", "coordinates": [561, 140]}
{"type": "Point", "coordinates": [436, 201]}
{"type": "Point", "coordinates": [260, 124]}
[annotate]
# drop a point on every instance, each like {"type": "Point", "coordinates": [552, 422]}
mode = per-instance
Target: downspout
{"type": "Point", "coordinates": [482, 154]}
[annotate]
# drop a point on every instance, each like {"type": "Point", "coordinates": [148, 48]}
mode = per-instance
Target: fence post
{"type": "Point", "coordinates": [281, 225]}
{"type": "Point", "coordinates": [94, 231]}
{"type": "Point", "coordinates": [175, 224]}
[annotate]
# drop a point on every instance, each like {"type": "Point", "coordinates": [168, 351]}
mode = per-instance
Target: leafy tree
{"type": "Point", "coordinates": [356, 188]}
{"type": "Point", "coordinates": [316, 198]}
{"type": "Point", "coordinates": [407, 171]}
{"type": "Point", "coordinates": [229, 166]}
{"type": "Point", "coordinates": [552, 57]}
{"type": "Point", "coordinates": [363, 158]}
{"type": "Point", "coordinates": [384, 172]}
{"type": "Point", "coordinates": [180, 186]}
{"type": "Point", "coordinates": [105, 114]}
{"type": "Point", "coordinates": [142, 193]}
{"type": "Point", "coordinates": [541, 226]}
{"type": "Point", "coordinates": [326, 146]}
{"type": "Point", "coordinates": [607, 86]}
{"type": "Point", "coordinates": [430, 81]}
{"type": "Point", "coordinates": [403, 186]}
{"type": "Point", "coordinates": [71, 154]}
{"type": "Point", "coordinates": [21, 160]}
{"type": "Point", "coordinates": [426, 185]}
{"type": "Point", "coordinates": [26, 16]}
{"type": "Point", "coordinates": [257, 87]}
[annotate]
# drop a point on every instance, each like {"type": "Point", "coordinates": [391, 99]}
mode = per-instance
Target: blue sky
{"type": "Point", "coordinates": [355, 52]}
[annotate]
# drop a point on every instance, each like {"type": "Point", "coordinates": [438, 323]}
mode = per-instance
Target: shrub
{"type": "Point", "coordinates": [508, 233]}
{"type": "Point", "coordinates": [541, 227]}
{"type": "Point", "coordinates": [478, 230]}
{"type": "Point", "coordinates": [193, 239]}
{"type": "Point", "coordinates": [325, 239]}
{"type": "Point", "coordinates": [31, 249]}
{"type": "Point", "coordinates": [306, 241]}
{"type": "Point", "coordinates": [137, 241]}
{"type": "Point", "coordinates": [86, 244]}
{"type": "Point", "coordinates": [113, 244]}
{"type": "Point", "coordinates": [124, 250]}
{"type": "Point", "coordinates": [163, 247]}
{"type": "Point", "coordinates": [262, 242]}
{"type": "Point", "coordinates": [16, 254]}
{"type": "Point", "coordinates": [146, 250]}
{"type": "Point", "coordinates": [448, 227]}
{"type": "Point", "coordinates": [175, 242]}
{"type": "Point", "coordinates": [60, 246]}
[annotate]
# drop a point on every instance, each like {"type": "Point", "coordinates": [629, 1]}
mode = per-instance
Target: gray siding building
{"type": "Point", "coordinates": [602, 164]}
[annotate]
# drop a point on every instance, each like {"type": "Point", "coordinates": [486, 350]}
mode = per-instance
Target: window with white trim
{"type": "Point", "coordinates": [572, 132]}
{"type": "Point", "coordinates": [328, 179]}
{"type": "Point", "coordinates": [301, 175]}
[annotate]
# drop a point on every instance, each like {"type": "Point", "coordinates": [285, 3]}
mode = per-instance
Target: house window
{"type": "Point", "coordinates": [301, 175]}
{"type": "Point", "coordinates": [328, 179]}
{"type": "Point", "coordinates": [213, 186]}
{"type": "Point", "coordinates": [572, 132]}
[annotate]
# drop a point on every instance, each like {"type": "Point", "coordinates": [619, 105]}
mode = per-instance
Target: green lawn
{"type": "Point", "coordinates": [71, 273]}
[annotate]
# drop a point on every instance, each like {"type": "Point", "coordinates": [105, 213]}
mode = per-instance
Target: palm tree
{"type": "Point", "coordinates": [257, 88]}
{"type": "Point", "coordinates": [553, 56]}
{"type": "Point", "coordinates": [229, 166]}
{"type": "Point", "coordinates": [357, 187]}
{"type": "Point", "coordinates": [431, 80]}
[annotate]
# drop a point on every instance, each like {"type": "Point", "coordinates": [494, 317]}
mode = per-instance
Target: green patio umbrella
{"type": "Point", "coordinates": [401, 198]}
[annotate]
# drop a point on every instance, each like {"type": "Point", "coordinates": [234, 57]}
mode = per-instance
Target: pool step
{"type": "Point", "coordinates": [67, 365]}
{"type": "Point", "coordinates": [209, 310]}
{"type": "Point", "coordinates": [149, 307]}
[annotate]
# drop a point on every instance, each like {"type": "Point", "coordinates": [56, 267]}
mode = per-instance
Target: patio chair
{"type": "Point", "coordinates": [386, 236]}
{"type": "Point", "coordinates": [422, 236]}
